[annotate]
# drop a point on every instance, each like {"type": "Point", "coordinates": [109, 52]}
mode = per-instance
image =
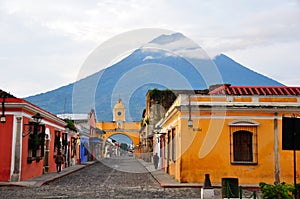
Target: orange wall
{"type": "Point", "coordinates": [112, 125]}
{"type": "Point", "coordinates": [132, 125]}
{"type": "Point", "coordinates": [192, 165]}
{"type": "Point", "coordinates": [106, 125]}
{"type": "Point", "coordinates": [134, 136]}
{"type": "Point", "coordinates": [130, 129]}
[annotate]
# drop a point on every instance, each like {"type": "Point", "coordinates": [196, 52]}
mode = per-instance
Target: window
{"type": "Point", "coordinates": [85, 150]}
{"type": "Point", "coordinates": [65, 142]}
{"type": "Point", "coordinates": [243, 142]}
{"type": "Point", "coordinates": [36, 141]}
{"type": "Point", "coordinates": [173, 145]}
{"type": "Point", "coordinates": [73, 147]}
{"type": "Point", "coordinates": [57, 142]}
{"type": "Point", "coordinates": [242, 146]}
{"type": "Point", "coordinates": [168, 145]}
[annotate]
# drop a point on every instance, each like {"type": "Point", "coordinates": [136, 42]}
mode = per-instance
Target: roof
{"type": "Point", "coordinates": [227, 89]}
{"type": "Point", "coordinates": [74, 116]}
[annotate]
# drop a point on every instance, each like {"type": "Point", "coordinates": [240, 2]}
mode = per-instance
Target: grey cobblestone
{"type": "Point", "coordinates": [110, 178]}
{"type": "Point", "coordinates": [102, 181]}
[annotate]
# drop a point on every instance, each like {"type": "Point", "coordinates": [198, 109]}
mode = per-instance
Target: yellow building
{"type": "Point", "coordinates": [230, 132]}
{"type": "Point", "coordinates": [119, 125]}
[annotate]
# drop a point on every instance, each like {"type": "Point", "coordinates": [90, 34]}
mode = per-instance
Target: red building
{"type": "Point", "coordinates": [30, 137]}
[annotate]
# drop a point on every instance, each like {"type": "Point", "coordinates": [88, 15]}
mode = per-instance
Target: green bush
{"type": "Point", "coordinates": [276, 191]}
{"type": "Point", "coordinates": [70, 125]}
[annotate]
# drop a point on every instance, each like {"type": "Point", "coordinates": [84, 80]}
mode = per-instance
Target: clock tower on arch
{"type": "Point", "coordinates": [119, 113]}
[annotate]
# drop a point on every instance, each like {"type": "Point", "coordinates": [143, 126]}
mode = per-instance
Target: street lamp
{"type": "Point", "coordinates": [190, 121]}
{"type": "Point", "coordinates": [3, 117]}
{"type": "Point", "coordinates": [37, 118]}
{"type": "Point", "coordinates": [157, 131]}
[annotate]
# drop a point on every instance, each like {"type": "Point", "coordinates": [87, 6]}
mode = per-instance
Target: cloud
{"type": "Point", "coordinates": [280, 24]}
{"type": "Point", "coordinates": [243, 25]}
{"type": "Point", "coordinates": [148, 58]}
{"type": "Point", "coordinates": [96, 21]}
{"type": "Point", "coordinates": [61, 35]}
{"type": "Point", "coordinates": [277, 61]}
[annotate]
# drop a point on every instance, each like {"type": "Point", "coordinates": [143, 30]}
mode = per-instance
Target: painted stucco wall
{"type": "Point", "coordinates": [6, 148]}
{"type": "Point", "coordinates": [207, 147]}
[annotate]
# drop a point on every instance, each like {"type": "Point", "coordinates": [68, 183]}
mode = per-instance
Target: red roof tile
{"type": "Point", "coordinates": [255, 90]}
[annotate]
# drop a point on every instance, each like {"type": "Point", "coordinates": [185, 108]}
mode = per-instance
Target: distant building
{"type": "Point", "coordinates": [87, 146]}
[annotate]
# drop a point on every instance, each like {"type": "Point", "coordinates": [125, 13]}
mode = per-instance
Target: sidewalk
{"type": "Point", "coordinates": [165, 180]}
{"type": "Point", "coordinates": [48, 177]}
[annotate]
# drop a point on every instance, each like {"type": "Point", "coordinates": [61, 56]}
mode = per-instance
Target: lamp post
{"type": "Point", "coordinates": [3, 117]}
{"type": "Point", "coordinates": [37, 120]}
{"type": "Point", "coordinates": [157, 132]}
{"type": "Point", "coordinates": [190, 121]}
{"type": "Point", "coordinates": [36, 132]}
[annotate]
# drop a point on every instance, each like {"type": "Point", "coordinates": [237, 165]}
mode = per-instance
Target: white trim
{"type": "Point", "coordinates": [22, 114]}
{"type": "Point", "coordinates": [243, 123]}
{"type": "Point", "coordinates": [170, 126]}
{"type": "Point", "coordinates": [53, 125]}
{"type": "Point", "coordinates": [13, 146]}
{"type": "Point", "coordinates": [47, 132]}
{"type": "Point", "coordinates": [21, 145]}
{"type": "Point", "coordinates": [30, 107]}
{"type": "Point", "coordinates": [244, 104]}
{"type": "Point", "coordinates": [232, 117]}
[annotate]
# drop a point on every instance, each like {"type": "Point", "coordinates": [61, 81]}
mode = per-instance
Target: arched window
{"type": "Point", "coordinates": [243, 142]}
{"type": "Point", "coordinates": [243, 146]}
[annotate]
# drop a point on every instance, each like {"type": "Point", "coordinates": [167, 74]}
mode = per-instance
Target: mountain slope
{"type": "Point", "coordinates": [144, 69]}
{"type": "Point", "coordinates": [243, 76]}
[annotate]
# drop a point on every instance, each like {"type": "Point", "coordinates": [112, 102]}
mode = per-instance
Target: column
{"type": "Point", "coordinates": [17, 157]}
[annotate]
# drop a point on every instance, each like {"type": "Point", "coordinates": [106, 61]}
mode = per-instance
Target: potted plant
{"type": "Point", "coordinates": [276, 191]}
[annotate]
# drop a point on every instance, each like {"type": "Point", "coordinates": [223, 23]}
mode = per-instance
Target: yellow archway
{"type": "Point", "coordinates": [134, 136]}
{"type": "Point", "coordinates": [130, 129]}
{"type": "Point", "coordinates": [119, 125]}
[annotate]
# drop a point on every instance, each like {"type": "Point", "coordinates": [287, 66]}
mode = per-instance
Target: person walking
{"type": "Point", "coordinates": [155, 160]}
{"type": "Point", "coordinates": [59, 159]}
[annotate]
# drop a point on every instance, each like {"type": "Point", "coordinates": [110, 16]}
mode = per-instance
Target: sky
{"type": "Point", "coordinates": [43, 43]}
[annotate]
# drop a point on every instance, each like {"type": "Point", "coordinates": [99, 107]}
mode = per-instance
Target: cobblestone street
{"type": "Point", "coordinates": [110, 178]}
